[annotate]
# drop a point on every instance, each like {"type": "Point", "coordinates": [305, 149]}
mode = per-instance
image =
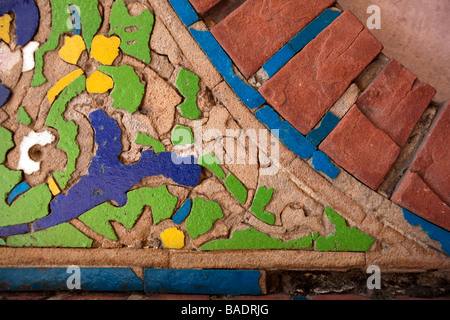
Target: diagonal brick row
{"type": "Point", "coordinates": [425, 188]}
{"type": "Point", "coordinates": [368, 140]}
{"type": "Point", "coordinates": [307, 86]}
{"type": "Point", "coordinates": [255, 31]}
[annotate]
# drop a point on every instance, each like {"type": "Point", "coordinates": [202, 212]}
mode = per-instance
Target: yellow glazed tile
{"type": "Point", "coordinates": [98, 82]}
{"type": "Point", "coordinates": [62, 84]}
{"type": "Point", "coordinates": [72, 49]}
{"type": "Point", "coordinates": [105, 50]}
{"type": "Point", "coordinates": [5, 25]}
{"type": "Point", "coordinates": [173, 238]}
{"type": "Point", "coordinates": [53, 186]}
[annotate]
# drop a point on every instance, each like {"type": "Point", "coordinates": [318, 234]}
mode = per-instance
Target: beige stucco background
{"type": "Point", "coordinates": [415, 32]}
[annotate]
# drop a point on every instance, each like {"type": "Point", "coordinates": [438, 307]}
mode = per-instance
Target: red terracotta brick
{"type": "Point", "coordinates": [395, 101]}
{"type": "Point", "coordinates": [307, 86]}
{"type": "Point", "coordinates": [361, 148]}
{"type": "Point", "coordinates": [425, 189]}
{"type": "Point", "coordinates": [258, 29]}
{"type": "Point", "coordinates": [203, 6]}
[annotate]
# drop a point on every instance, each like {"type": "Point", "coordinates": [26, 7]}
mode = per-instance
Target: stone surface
{"type": "Point", "coordinates": [395, 101]}
{"type": "Point", "coordinates": [362, 149]}
{"type": "Point", "coordinates": [326, 67]}
{"type": "Point", "coordinates": [261, 200]}
{"type": "Point", "coordinates": [425, 189]}
{"type": "Point", "coordinates": [139, 220]}
{"type": "Point", "coordinates": [263, 27]}
{"type": "Point", "coordinates": [203, 6]}
{"type": "Point", "coordinates": [233, 282]}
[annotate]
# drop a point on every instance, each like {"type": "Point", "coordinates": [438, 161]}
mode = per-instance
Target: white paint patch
{"type": "Point", "coordinates": [25, 163]}
{"type": "Point", "coordinates": [28, 55]}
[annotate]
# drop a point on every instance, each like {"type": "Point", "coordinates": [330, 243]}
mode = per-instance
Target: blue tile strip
{"type": "Point", "coordinates": [185, 11]}
{"type": "Point", "coordinates": [288, 135]}
{"type": "Point", "coordinates": [222, 62]}
{"type": "Point", "coordinates": [4, 94]}
{"type": "Point", "coordinates": [226, 282]}
{"type": "Point", "coordinates": [329, 122]}
{"type": "Point", "coordinates": [433, 231]}
{"type": "Point", "coordinates": [183, 212]}
{"type": "Point", "coordinates": [50, 279]}
{"type": "Point", "coordinates": [322, 162]}
{"type": "Point", "coordinates": [297, 43]}
{"type": "Point", "coordinates": [17, 191]}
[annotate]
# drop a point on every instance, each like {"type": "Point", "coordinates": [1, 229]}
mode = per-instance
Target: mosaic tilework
{"type": "Point", "coordinates": [102, 151]}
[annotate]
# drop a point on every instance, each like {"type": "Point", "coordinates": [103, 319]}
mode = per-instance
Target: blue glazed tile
{"type": "Point", "coordinates": [14, 230]}
{"type": "Point", "coordinates": [299, 298]}
{"type": "Point", "coordinates": [183, 212]}
{"type": "Point", "coordinates": [225, 282]}
{"type": "Point", "coordinates": [249, 96]}
{"type": "Point", "coordinates": [26, 18]}
{"type": "Point", "coordinates": [278, 60]}
{"type": "Point", "coordinates": [433, 231]}
{"type": "Point", "coordinates": [287, 134]}
{"type": "Point", "coordinates": [321, 162]}
{"type": "Point", "coordinates": [329, 122]}
{"type": "Point", "coordinates": [17, 191]}
{"type": "Point", "coordinates": [185, 11]}
{"type": "Point", "coordinates": [91, 279]}
{"type": "Point", "coordinates": [4, 94]}
{"type": "Point", "coordinates": [297, 43]}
